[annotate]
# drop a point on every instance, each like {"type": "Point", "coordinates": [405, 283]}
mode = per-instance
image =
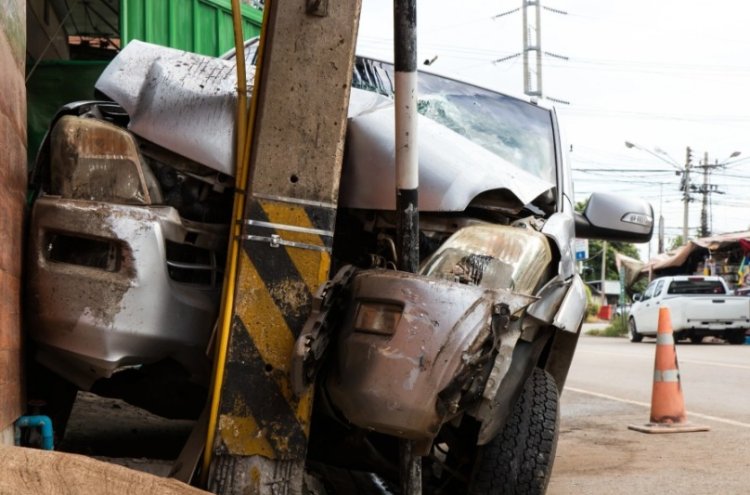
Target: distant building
{"type": "Point", "coordinates": [611, 290]}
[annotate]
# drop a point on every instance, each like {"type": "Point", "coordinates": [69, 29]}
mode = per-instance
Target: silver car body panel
{"type": "Point", "coordinates": [550, 298]}
{"type": "Point", "coordinates": [573, 307]}
{"type": "Point", "coordinates": [98, 320]}
{"type": "Point", "coordinates": [562, 304]}
{"type": "Point", "coordinates": [186, 103]}
{"type": "Point", "coordinates": [560, 228]}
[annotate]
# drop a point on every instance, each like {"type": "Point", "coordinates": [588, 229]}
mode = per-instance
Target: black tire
{"type": "Point", "coordinates": [735, 337]}
{"type": "Point", "coordinates": [519, 460]}
{"type": "Point", "coordinates": [696, 339]}
{"type": "Point", "coordinates": [633, 331]}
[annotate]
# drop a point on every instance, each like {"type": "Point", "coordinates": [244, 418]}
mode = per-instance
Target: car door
{"type": "Point", "coordinates": [649, 315]}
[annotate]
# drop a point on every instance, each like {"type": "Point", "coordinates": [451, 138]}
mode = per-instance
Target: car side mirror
{"type": "Point", "coordinates": [637, 297]}
{"type": "Point", "coordinates": [611, 217]}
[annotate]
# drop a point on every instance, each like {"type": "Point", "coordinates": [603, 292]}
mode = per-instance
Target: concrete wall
{"type": "Point", "coordinates": [12, 195]}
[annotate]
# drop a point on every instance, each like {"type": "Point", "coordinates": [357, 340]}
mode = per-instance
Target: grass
{"type": "Point", "coordinates": [617, 328]}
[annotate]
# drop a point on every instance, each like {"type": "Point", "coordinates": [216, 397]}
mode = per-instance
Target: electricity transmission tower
{"type": "Point", "coordinates": [532, 42]}
{"type": "Point", "coordinates": [532, 47]}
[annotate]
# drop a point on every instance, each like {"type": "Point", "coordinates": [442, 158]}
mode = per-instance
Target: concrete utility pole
{"type": "Point", "coordinates": [686, 195]}
{"type": "Point", "coordinates": [258, 445]}
{"type": "Point", "coordinates": [532, 42]}
{"type": "Point", "coordinates": [705, 191]}
{"type": "Point", "coordinates": [661, 222]}
{"type": "Point", "coordinates": [604, 271]}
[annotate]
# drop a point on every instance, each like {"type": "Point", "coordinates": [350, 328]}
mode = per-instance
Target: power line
{"type": "Point", "coordinates": [622, 170]}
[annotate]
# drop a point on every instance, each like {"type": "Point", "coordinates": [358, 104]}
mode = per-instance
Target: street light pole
{"type": "Point", "coordinates": [684, 171]}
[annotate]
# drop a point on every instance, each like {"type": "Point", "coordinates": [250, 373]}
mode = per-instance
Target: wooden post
{"type": "Point", "coordinates": [12, 200]}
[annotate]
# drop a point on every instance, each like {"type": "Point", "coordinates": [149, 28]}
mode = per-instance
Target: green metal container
{"type": "Point", "coordinates": [200, 26]}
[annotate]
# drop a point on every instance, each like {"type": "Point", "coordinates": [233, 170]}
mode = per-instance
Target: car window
{"type": "Point", "coordinates": [696, 286]}
{"type": "Point", "coordinates": [649, 292]}
{"type": "Point", "coordinates": [658, 288]}
{"type": "Point", "coordinates": [519, 132]}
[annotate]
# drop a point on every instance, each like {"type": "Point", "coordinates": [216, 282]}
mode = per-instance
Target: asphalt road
{"type": "Point", "coordinates": [609, 387]}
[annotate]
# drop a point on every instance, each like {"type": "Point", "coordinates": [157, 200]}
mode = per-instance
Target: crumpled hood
{"type": "Point", "coordinates": [452, 169]}
{"type": "Point", "coordinates": [184, 102]}
{"type": "Point", "coordinates": [187, 103]}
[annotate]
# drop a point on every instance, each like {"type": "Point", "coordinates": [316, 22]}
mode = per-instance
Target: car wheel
{"type": "Point", "coordinates": [736, 337]}
{"type": "Point", "coordinates": [633, 333]}
{"type": "Point", "coordinates": [696, 339]}
{"type": "Point", "coordinates": [519, 459]}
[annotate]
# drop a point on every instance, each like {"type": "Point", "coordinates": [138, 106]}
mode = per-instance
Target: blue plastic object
{"type": "Point", "coordinates": [43, 422]}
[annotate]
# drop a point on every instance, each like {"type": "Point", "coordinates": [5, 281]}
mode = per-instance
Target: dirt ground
{"type": "Point", "coordinates": [597, 454]}
{"type": "Point", "coordinates": [114, 431]}
{"type": "Point", "coordinates": [106, 430]}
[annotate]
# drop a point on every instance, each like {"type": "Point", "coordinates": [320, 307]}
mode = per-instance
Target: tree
{"type": "Point", "coordinates": [676, 242]}
{"type": "Point", "coordinates": [593, 265]}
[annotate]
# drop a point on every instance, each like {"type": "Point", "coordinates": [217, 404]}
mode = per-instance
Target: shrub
{"type": "Point", "coordinates": [618, 328]}
{"type": "Point", "coordinates": [592, 306]}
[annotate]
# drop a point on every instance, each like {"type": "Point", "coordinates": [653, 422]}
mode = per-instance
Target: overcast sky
{"type": "Point", "coordinates": [662, 74]}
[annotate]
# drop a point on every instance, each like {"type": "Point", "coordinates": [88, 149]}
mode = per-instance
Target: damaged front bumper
{"type": "Point", "coordinates": [412, 350]}
{"type": "Point", "coordinates": [113, 285]}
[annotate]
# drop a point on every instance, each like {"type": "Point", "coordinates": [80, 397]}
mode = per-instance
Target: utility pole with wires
{"type": "Point", "coordinates": [707, 189]}
{"type": "Point", "coordinates": [686, 193]}
{"type": "Point", "coordinates": [704, 190]}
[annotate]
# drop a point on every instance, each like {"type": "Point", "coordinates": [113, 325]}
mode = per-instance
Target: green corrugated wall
{"type": "Point", "coordinates": [200, 26]}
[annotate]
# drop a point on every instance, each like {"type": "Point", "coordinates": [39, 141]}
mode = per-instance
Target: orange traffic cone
{"type": "Point", "coordinates": [667, 404]}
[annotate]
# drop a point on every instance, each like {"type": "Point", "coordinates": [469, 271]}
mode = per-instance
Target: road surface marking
{"type": "Point", "coordinates": [644, 404]}
{"type": "Point", "coordinates": [692, 361]}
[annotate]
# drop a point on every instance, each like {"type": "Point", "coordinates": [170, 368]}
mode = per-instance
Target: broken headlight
{"type": "Point", "coordinates": [98, 161]}
{"type": "Point", "coordinates": [492, 257]}
{"type": "Point", "coordinates": [377, 317]}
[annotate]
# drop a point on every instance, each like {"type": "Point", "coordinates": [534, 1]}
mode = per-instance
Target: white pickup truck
{"type": "Point", "coordinates": [698, 306]}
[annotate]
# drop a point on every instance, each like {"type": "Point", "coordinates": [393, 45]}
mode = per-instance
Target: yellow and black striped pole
{"type": "Point", "coordinates": [260, 437]}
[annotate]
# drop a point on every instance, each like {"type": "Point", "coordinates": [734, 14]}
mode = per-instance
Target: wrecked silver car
{"type": "Point", "coordinates": [466, 358]}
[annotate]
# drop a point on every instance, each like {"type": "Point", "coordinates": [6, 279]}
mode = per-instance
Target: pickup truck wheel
{"type": "Point", "coordinates": [736, 337]}
{"type": "Point", "coordinates": [633, 333]}
{"type": "Point", "coordinates": [519, 459]}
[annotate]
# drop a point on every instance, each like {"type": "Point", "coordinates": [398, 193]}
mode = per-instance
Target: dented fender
{"type": "Point", "coordinates": [562, 304]}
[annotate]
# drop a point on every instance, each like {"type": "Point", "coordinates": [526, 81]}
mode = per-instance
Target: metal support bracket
{"type": "Point", "coordinates": [317, 8]}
